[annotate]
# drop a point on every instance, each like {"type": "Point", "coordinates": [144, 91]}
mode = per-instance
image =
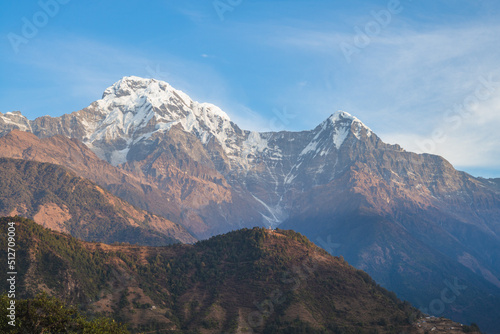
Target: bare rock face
{"type": "Point", "coordinates": [391, 212]}
{"type": "Point", "coordinates": [14, 121]}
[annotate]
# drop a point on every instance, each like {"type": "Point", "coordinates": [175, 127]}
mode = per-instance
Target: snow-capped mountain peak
{"type": "Point", "coordinates": [14, 120]}
{"type": "Point", "coordinates": [343, 123]}
{"type": "Point", "coordinates": [335, 129]}
{"type": "Point", "coordinates": [134, 90]}
{"type": "Point", "coordinates": [345, 119]}
{"type": "Point", "coordinates": [134, 108]}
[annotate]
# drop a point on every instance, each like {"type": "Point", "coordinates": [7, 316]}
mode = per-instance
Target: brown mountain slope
{"type": "Point", "coordinates": [248, 281]}
{"type": "Point", "coordinates": [169, 181]}
{"type": "Point", "coordinates": [180, 165]}
{"type": "Point", "coordinates": [415, 224]}
{"type": "Point", "coordinates": [78, 158]}
{"type": "Point", "coordinates": [174, 178]}
{"type": "Point", "coordinates": [62, 201]}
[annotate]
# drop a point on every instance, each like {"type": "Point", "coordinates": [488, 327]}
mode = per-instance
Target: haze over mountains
{"type": "Point", "coordinates": [411, 221]}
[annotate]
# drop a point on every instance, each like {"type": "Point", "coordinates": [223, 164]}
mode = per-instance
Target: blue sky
{"type": "Point", "coordinates": [424, 74]}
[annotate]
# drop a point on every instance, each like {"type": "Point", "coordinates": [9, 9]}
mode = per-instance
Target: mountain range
{"type": "Point", "coordinates": [412, 221]}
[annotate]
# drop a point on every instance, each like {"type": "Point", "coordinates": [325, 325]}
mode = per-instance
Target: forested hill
{"type": "Point", "coordinates": [249, 280]}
